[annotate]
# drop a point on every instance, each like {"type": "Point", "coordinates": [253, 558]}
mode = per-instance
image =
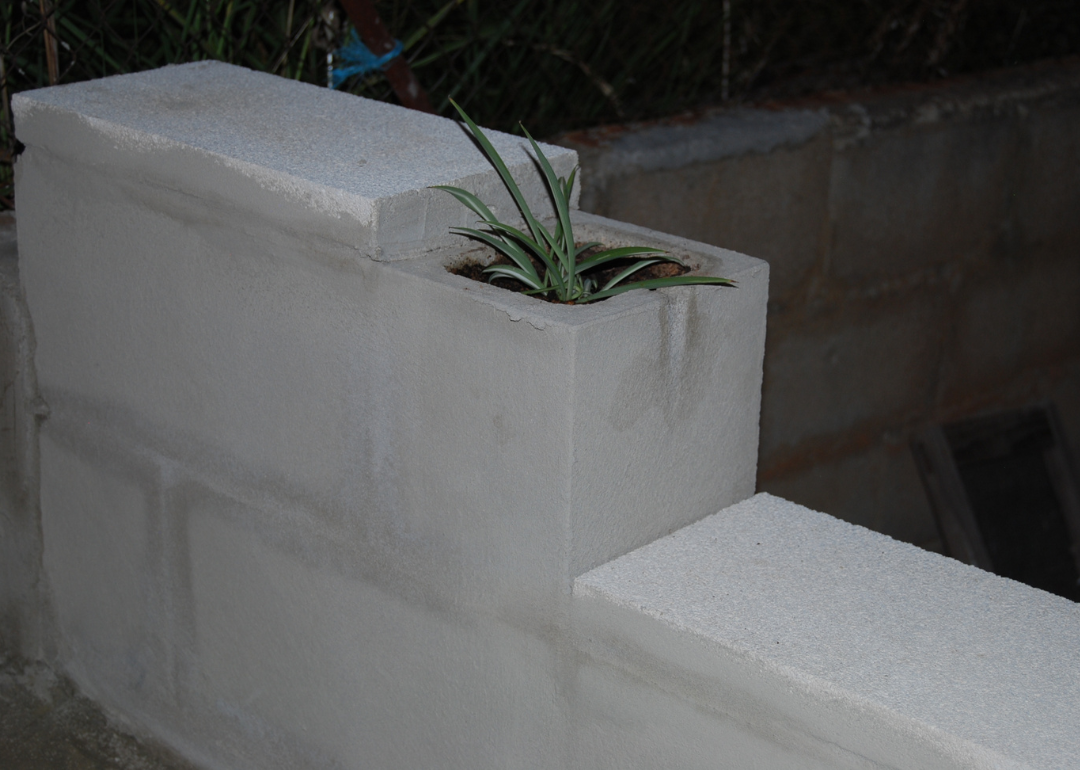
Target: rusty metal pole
{"type": "Point", "coordinates": [379, 41]}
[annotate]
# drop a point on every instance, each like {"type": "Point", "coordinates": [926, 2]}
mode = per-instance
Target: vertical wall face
{"type": "Point", "coordinates": [306, 508]}
{"type": "Point", "coordinates": [315, 502]}
{"type": "Point", "coordinates": [922, 247]}
{"type": "Point", "coordinates": [805, 642]}
{"type": "Point", "coordinates": [665, 409]}
{"type": "Point", "coordinates": [268, 504]}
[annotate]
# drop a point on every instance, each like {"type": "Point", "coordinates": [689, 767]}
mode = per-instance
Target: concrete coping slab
{"type": "Point", "coordinates": [675, 143]}
{"type": "Point", "coordinates": [944, 650]}
{"type": "Point", "coordinates": [609, 152]}
{"type": "Point", "coordinates": [303, 156]}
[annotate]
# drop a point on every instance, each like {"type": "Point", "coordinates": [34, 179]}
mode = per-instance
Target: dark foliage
{"type": "Point", "coordinates": [550, 64]}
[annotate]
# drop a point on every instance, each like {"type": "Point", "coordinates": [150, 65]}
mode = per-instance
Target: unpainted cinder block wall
{"type": "Point", "coordinates": [924, 245]}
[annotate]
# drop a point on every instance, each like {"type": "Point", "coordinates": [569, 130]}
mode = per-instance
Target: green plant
{"type": "Point", "coordinates": [551, 263]}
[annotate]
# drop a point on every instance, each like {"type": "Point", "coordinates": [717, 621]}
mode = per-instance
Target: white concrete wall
{"type": "Point", "coordinates": [795, 639]}
{"type": "Point", "coordinates": [771, 635]}
{"type": "Point", "coordinates": [307, 498]}
{"type": "Point", "coordinates": [922, 243]}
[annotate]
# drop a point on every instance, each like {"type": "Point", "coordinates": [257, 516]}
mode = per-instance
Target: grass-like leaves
{"type": "Point", "coordinates": [550, 263]}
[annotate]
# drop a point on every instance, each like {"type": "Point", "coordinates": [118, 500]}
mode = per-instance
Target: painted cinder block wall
{"type": "Point", "coordinates": [263, 536]}
{"type": "Point", "coordinates": [925, 253]}
{"type": "Point", "coordinates": [307, 499]}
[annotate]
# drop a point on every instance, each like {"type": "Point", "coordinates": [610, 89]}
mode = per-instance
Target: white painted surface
{"type": "Point", "coordinates": [290, 151]}
{"type": "Point", "coordinates": [333, 506]}
{"type": "Point", "coordinates": [307, 510]}
{"type": "Point", "coordinates": [859, 639]}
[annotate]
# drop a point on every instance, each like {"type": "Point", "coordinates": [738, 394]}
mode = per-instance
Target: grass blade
{"type": "Point", "coordinates": [532, 281]}
{"type": "Point", "coordinates": [562, 206]}
{"type": "Point", "coordinates": [662, 283]}
{"type": "Point", "coordinates": [585, 247]}
{"type": "Point", "coordinates": [629, 272]}
{"type": "Point", "coordinates": [503, 246]}
{"type": "Point", "coordinates": [469, 200]}
{"type": "Point", "coordinates": [622, 253]}
{"type": "Point", "coordinates": [497, 161]}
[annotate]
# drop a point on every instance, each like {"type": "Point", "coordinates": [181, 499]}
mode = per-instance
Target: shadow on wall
{"type": "Point", "coordinates": [923, 247]}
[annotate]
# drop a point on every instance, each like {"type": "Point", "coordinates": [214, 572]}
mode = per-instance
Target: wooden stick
{"type": "Point", "coordinates": [379, 41]}
{"type": "Point", "coordinates": [52, 58]}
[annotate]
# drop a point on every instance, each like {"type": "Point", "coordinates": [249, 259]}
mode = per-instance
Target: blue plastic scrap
{"type": "Point", "coordinates": [358, 59]}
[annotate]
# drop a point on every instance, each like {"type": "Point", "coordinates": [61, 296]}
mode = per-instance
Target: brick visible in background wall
{"type": "Point", "coordinates": [1047, 197]}
{"type": "Point", "coordinates": [773, 204]}
{"type": "Point", "coordinates": [918, 196]}
{"type": "Point", "coordinates": [862, 367]}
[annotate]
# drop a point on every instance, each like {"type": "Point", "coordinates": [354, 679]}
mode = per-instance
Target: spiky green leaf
{"type": "Point", "coordinates": [629, 272]}
{"type": "Point", "coordinates": [622, 253]}
{"type": "Point", "coordinates": [532, 281]}
{"type": "Point", "coordinates": [496, 160]}
{"type": "Point", "coordinates": [663, 283]}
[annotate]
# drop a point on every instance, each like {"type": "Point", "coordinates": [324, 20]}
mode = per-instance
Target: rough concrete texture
{"type": "Point", "coordinates": [769, 203]}
{"type": "Point", "coordinates": [45, 723]}
{"type": "Point", "coordinates": [922, 245]}
{"type": "Point", "coordinates": [678, 143]}
{"type": "Point", "coordinates": [834, 376]}
{"type": "Point", "coordinates": [400, 567]}
{"type": "Point", "coordinates": [863, 651]}
{"type": "Point", "coordinates": [317, 161]}
{"type": "Point", "coordinates": [942, 189]}
{"type": "Point", "coordinates": [307, 510]}
{"type": "Point", "coordinates": [1029, 321]}
{"type": "Point", "coordinates": [1045, 204]}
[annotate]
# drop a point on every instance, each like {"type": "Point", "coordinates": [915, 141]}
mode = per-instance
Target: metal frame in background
{"type": "Point", "coordinates": [940, 476]}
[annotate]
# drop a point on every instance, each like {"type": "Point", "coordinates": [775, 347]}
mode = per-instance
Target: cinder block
{"type": "Point", "coordinates": [225, 333]}
{"type": "Point", "coordinates": [754, 181]}
{"type": "Point", "coordinates": [1046, 195]}
{"type": "Point", "coordinates": [100, 565]}
{"type": "Point", "coordinates": [1052, 328]}
{"type": "Point", "coordinates": [342, 674]}
{"type": "Point", "coordinates": [917, 196]}
{"type": "Point", "coordinates": [877, 488]}
{"type": "Point", "coordinates": [863, 367]}
{"type": "Point", "coordinates": [247, 353]}
{"type": "Point", "coordinates": [1019, 317]}
{"type": "Point", "coordinates": [772, 206]}
{"type": "Point", "coordinates": [438, 455]}
{"type": "Point", "coordinates": [985, 345]}
{"type": "Point", "coordinates": [628, 723]}
{"type": "Point", "coordinates": [838, 643]}
{"type": "Point", "coordinates": [644, 451]}
{"type": "Point", "coordinates": [314, 161]}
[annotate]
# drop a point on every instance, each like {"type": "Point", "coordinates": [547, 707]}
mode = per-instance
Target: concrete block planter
{"type": "Point", "coordinates": [307, 497]}
{"type": "Point", "coordinates": [309, 500]}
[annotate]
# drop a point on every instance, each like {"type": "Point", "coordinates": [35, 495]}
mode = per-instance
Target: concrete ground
{"type": "Point", "coordinates": [45, 724]}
